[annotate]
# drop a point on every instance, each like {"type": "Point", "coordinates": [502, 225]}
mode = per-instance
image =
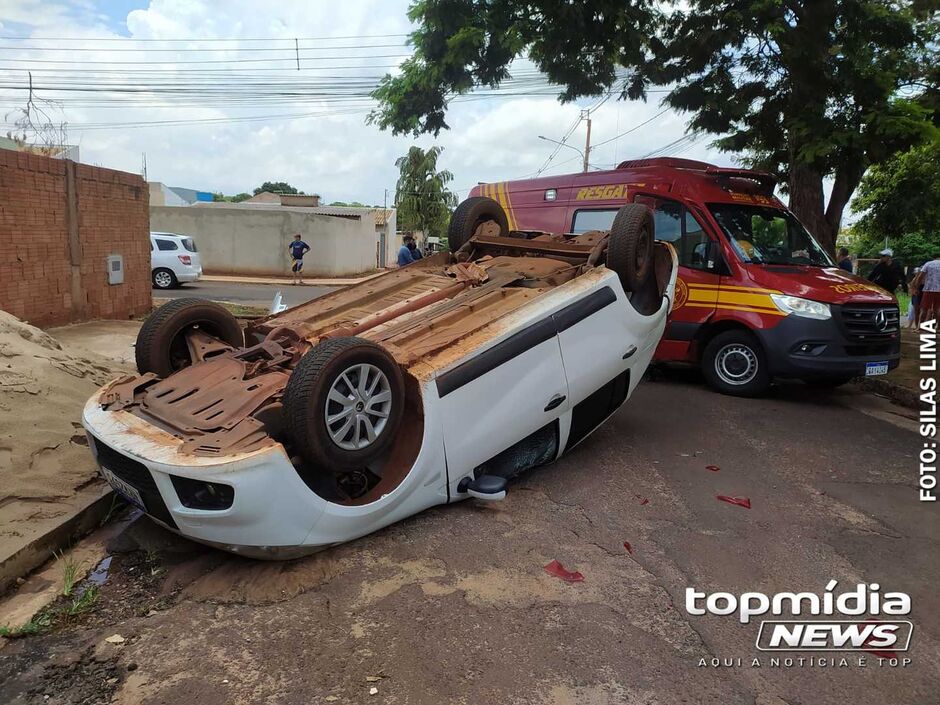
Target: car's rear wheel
{"type": "Point", "coordinates": [164, 279]}
{"type": "Point", "coordinates": [343, 404]}
{"type": "Point", "coordinates": [734, 363]}
{"type": "Point", "coordinates": [161, 343]}
{"type": "Point", "coordinates": [469, 215]}
{"type": "Point", "coordinates": [630, 249]}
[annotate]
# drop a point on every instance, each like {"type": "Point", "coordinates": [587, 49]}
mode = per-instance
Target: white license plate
{"type": "Point", "coordinates": [122, 488]}
{"type": "Point", "coordinates": [876, 368]}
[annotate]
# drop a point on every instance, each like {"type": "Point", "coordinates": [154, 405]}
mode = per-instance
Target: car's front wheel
{"type": "Point", "coordinates": [164, 279]}
{"type": "Point", "coordinates": [343, 404]}
{"type": "Point", "coordinates": [734, 363]}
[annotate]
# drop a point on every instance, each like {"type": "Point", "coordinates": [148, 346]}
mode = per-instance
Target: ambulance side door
{"type": "Point", "coordinates": [699, 274]}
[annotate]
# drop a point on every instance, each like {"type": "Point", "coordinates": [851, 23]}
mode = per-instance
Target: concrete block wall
{"type": "Point", "coordinates": [244, 239]}
{"type": "Point", "coordinates": [59, 221]}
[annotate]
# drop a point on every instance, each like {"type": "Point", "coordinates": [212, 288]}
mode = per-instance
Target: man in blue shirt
{"type": "Point", "coordinates": [405, 256]}
{"type": "Point", "coordinates": [298, 248]}
{"type": "Point", "coordinates": [843, 260]}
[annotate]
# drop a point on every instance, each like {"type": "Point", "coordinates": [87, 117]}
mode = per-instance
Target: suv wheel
{"type": "Point", "coordinates": [734, 363]}
{"type": "Point", "coordinates": [164, 279]}
{"type": "Point", "coordinates": [343, 404]}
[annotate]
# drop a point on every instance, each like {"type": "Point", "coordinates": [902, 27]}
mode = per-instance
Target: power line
{"type": "Point", "coordinates": [194, 39]}
{"type": "Point", "coordinates": [180, 50]}
{"type": "Point", "coordinates": [632, 129]}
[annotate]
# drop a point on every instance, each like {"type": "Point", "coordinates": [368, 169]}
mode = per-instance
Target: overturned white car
{"type": "Point", "coordinates": [426, 385]}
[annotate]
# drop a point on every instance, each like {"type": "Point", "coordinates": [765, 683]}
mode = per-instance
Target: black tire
{"type": "Point", "coordinates": [734, 363]}
{"type": "Point", "coordinates": [161, 347]}
{"type": "Point", "coordinates": [828, 382]}
{"type": "Point", "coordinates": [630, 249]}
{"type": "Point", "coordinates": [306, 405]}
{"type": "Point", "coordinates": [164, 278]}
{"type": "Point", "coordinates": [468, 216]}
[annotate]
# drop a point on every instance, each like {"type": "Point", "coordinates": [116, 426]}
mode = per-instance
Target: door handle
{"type": "Point", "coordinates": [627, 355]}
{"type": "Point", "coordinates": [555, 402]}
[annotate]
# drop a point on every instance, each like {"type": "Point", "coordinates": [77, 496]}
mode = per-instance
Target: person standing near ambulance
{"type": "Point", "coordinates": [929, 280]}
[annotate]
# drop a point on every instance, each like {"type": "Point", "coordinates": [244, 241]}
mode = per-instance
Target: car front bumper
{"type": "Point", "coordinates": [274, 514]}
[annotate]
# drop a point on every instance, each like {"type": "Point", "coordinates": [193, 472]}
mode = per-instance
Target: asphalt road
{"type": "Point", "coordinates": [453, 605]}
{"type": "Point", "coordinates": [247, 294]}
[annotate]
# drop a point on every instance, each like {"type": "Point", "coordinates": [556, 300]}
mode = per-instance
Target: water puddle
{"type": "Point", "coordinates": [100, 574]}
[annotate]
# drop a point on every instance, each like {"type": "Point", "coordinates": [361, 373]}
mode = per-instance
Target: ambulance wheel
{"type": "Point", "coordinates": [161, 343]}
{"type": "Point", "coordinates": [468, 217]}
{"type": "Point", "coordinates": [343, 404]}
{"type": "Point", "coordinates": [630, 249]}
{"type": "Point", "coordinates": [734, 363]}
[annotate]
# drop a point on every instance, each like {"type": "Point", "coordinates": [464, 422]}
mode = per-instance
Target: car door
{"type": "Point", "coordinates": [165, 255]}
{"type": "Point", "coordinates": [698, 282]}
{"type": "Point", "coordinates": [500, 396]}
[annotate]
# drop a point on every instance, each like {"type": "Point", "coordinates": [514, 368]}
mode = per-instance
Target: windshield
{"type": "Point", "coordinates": [762, 235]}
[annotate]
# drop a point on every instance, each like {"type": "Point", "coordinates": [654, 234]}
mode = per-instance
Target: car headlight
{"type": "Point", "coordinates": [802, 307]}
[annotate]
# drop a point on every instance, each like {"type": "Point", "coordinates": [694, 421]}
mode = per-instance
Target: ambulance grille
{"type": "Point", "coordinates": [871, 324]}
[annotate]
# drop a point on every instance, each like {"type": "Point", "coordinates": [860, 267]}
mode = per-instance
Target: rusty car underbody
{"type": "Point", "coordinates": [229, 400]}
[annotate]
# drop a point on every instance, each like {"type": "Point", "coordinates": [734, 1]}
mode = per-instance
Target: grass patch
{"type": "Point", "coordinates": [83, 602]}
{"type": "Point", "coordinates": [244, 311]}
{"type": "Point", "coordinates": [69, 572]}
{"type": "Point", "coordinates": [36, 625]}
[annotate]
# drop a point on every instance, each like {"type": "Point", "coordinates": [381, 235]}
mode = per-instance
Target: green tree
{"type": "Point", "coordinates": [239, 197]}
{"type": "Point", "coordinates": [901, 196]}
{"type": "Point", "coordinates": [276, 187]}
{"type": "Point", "coordinates": [421, 195]}
{"type": "Point", "coordinates": [808, 89]}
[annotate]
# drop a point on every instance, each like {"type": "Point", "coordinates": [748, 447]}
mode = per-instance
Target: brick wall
{"type": "Point", "coordinates": [58, 223]}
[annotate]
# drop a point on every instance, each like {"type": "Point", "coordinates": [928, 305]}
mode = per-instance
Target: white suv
{"type": "Point", "coordinates": [173, 260]}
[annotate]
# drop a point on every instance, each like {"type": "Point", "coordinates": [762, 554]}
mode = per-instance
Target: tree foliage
{"type": "Point", "coordinates": [808, 89]}
{"type": "Point", "coordinates": [899, 199]}
{"type": "Point", "coordinates": [421, 195]}
{"type": "Point", "coordinates": [276, 187]}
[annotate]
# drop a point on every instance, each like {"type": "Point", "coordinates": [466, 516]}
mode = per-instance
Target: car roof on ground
{"type": "Point", "coordinates": [163, 234]}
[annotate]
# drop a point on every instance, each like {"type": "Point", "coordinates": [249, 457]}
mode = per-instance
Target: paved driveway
{"type": "Point", "coordinates": [243, 293]}
{"type": "Point", "coordinates": [454, 606]}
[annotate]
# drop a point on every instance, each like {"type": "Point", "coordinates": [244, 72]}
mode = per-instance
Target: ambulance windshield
{"type": "Point", "coordinates": [762, 235]}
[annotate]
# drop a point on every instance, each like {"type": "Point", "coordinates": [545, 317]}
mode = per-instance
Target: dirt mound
{"type": "Point", "coordinates": [43, 450]}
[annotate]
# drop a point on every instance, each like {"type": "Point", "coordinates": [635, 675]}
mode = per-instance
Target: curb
{"type": "Point", "coordinates": [39, 549]}
{"type": "Point", "coordinates": [895, 392]}
{"type": "Point", "coordinates": [286, 281]}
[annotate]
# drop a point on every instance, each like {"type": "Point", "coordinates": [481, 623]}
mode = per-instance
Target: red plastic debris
{"type": "Point", "coordinates": [740, 501]}
{"type": "Point", "coordinates": [712, 468]}
{"type": "Point", "coordinates": [627, 546]}
{"type": "Point", "coordinates": [643, 500]}
{"type": "Point", "coordinates": [559, 571]}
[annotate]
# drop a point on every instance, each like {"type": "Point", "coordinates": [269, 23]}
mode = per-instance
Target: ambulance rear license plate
{"type": "Point", "coordinates": [876, 368]}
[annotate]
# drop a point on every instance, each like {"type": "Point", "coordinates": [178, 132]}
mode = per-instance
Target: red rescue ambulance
{"type": "Point", "coordinates": [757, 297]}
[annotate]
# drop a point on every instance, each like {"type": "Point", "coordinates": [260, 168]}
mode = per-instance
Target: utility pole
{"type": "Point", "coordinates": [586, 114]}
{"type": "Point", "coordinates": [143, 165]}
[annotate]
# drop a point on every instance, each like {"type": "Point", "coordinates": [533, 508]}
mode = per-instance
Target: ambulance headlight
{"type": "Point", "coordinates": [802, 307]}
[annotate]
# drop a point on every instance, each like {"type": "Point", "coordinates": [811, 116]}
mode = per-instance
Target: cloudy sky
{"type": "Point", "coordinates": [212, 94]}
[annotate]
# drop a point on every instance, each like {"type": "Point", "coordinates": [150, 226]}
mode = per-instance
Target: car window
{"type": "Point", "coordinates": [166, 245]}
{"type": "Point", "coordinates": [676, 225]}
{"type": "Point", "coordinates": [593, 220]}
{"type": "Point", "coordinates": [189, 244]}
